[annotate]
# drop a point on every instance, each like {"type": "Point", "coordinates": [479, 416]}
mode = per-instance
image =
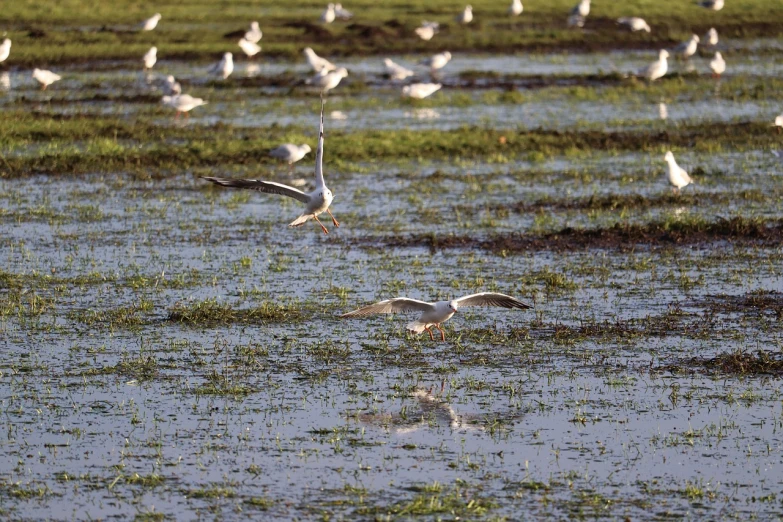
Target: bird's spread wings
{"type": "Point", "coordinates": [392, 306]}
{"type": "Point", "coordinates": [269, 187]}
{"type": "Point", "coordinates": [492, 299]}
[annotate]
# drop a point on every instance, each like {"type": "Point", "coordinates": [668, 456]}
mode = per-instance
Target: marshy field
{"type": "Point", "coordinates": [172, 350]}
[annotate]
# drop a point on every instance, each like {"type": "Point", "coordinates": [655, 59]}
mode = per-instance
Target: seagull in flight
{"type": "Point", "coordinates": [317, 201]}
{"type": "Point", "coordinates": [434, 314]}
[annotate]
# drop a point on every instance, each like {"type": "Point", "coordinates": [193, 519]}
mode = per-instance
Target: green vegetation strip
{"type": "Point", "coordinates": [674, 231]}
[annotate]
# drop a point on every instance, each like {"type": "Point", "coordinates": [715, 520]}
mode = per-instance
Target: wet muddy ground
{"type": "Point", "coordinates": [172, 350]}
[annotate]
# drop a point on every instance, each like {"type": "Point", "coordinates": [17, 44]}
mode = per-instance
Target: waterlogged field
{"type": "Point", "coordinates": [173, 351]}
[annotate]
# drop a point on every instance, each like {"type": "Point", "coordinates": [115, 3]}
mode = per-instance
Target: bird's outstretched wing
{"type": "Point", "coordinates": [392, 306]}
{"type": "Point", "coordinates": [269, 187]}
{"type": "Point", "coordinates": [492, 299]}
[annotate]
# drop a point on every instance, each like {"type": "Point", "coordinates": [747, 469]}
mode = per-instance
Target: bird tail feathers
{"type": "Point", "coordinates": [416, 327]}
{"type": "Point", "coordinates": [301, 220]}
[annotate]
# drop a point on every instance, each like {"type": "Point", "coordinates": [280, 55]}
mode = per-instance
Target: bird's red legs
{"type": "Point", "coordinates": [44, 87]}
{"type": "Point", "coordinates": [429, 332]}
{"type": "Point", "coordinates": [290, 168]}
{"type": "Point", "coordinates": [336, 223]}
{"type": "Point", "coordinates": [176, 116]}
{"type": "Point", "coordinates": [322, 225]}
{"type": "Point", "coordinates": [442, 335]}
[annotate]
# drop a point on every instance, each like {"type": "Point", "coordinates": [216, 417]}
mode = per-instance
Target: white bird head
{"type": "Point", "coordinates": [157, 16]}
{"type": "Point", "coordinates": [166, 100]}
{"type": "Point", "coordinates": [306, 148]}
{"type": "Point", "coordinates": [229, 57]}
{"type": "Point", "coordinates": [453, 305]}
{"type": "Point", "coordinates": [330, 7]}
{"type": "Point", "coordinates": [254, 26]}
{"type": "Point", "coordinates": [663, 54]}
{"type": "Point", "coordinates": [718, 56]}
{"type": "Point", "coordinates": [669, 156]}
{"type": "Point", "coordinates": [387, 62]}
{"type": "Point", "coordinates": [468, 8]}
{"type": "Point", "coordinates": [342, 72]}
{"type": "Point", "coordinates": [308, 51]}
{"type": "Point", "coordinates": [779, 121]}
{"type": "Point", "coordinates": [447, 55]}
{"type": "Point", "coordinates": [153, 51]}
{"type": "Point", "coordinates": [338, 6]}
{"type": "Point", "coordinates": [695, 38]}
{"type": "Point", "coordinates": [406, 91]}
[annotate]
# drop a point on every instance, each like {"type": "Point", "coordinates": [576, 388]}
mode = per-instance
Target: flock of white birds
{"type": "Point", "coordinates": [327, 76]}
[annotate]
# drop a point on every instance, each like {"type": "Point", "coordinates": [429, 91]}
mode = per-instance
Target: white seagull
{"type": "Point", "coordinates": [711, 37]}
{"type": "Point", "coordinates": [171, 86]}
{"type": "Point", "coordinates": [254, 34]}
{"type": "Point", "coordinates": [290, 153]}
{"type": "Point", "coordinates": [466, 16]}
{"type": "Point", "coordinates": [327, 82]}
{"type": "Point", "coordinates": [328, 15]}
{"type": "Point", "coordinates": [342, 14]}
{"type": "Point", "coordinates": [688, 48]}
{"type": "Point", "coordinates": [224, 67]}
{"type": "Point", "coordinates": [427, 30]}
{"type": "Point", "coordinates": [778, 122]}
{"type": "Point", "coordinates": [45, 78]}
{"type": "Point", "coordinates": [437, 61]}
{"type": "Point", "coordinates": [677, 176]}
{"type": "Point", "coordinates": [516, 8]}
{"type": "Point", "coordinates": [317, 63]}
{"type": "Point", "coordinates": [718, 65]}
{"type": "Point", "coordinates": [582, 8]}
{"type": "Point", "coordinates": [434, 314]}
{"type": "Point", "coordinates": [182, 103]}
{"type": "Point", "coordinates": [396, 71]}
{"type": "Point", "coordinates": [634, 23]}
{"type": "Point", "coordinates": [714, 5]}
{"type": "Point", "coordinates": [150, 58]}
{"type": "Point", "coordinates": [150, 23]}
{"type": "Point", "coordinates": [658, 68]}
{"type": "Point", "coordinates": [5, 50]}
{"type": "Point", "coordinates": [317, 201]}
{"type": "Point", "coordinates": [420, 90]}
{"type": "Point", "coordinates": [249, 48]}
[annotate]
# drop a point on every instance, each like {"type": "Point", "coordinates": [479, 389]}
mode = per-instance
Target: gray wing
{"type": "Point", "coordinates": [269, 187]}
{"type": "Point", "coordinates": [392, 306]}
{"type": "Point", "coordinates": [283, 151]}
{"type": "Point", "coordinates": [492, 299]}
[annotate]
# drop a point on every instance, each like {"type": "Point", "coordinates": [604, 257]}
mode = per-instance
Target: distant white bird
{"type": "Point", "coordinates": [582, 8]}
{"type": "Point", "coordinates": [516, 8]}
{"type": "Point", "coordinates": [677, 176]}
{"type": "Point", "coordinates": [150, 23]}
{"type": "Point", "coordinates": [171, 86]}
{"type": "Point", "coordinates": [150, 58]}
{"type": "Point", "coordinates": [254, 34]}
{"type": "Point", "coordinates": [5, 81]}
{"type": "Point", "coordinates": [715, 5]}
{"type": "Point", "coordinates": [711, 37]}
{"type": "Point", "coordinates": [688, 48]}
{"type": "Point", "coordinates": [437, 61]}
{"type": "Point", "coordinates": [342, 14]}
{"type": "Point", "coordinates": [658, 68]}
{"type": "Point", "coordinates": [663, 111]}
{"type": "Point", "coordinates": [5, 50]}
{"type": "Point", "coordinates": [45, 78]}
{"type": "Point", "coordinates": [466, 16]}
{"type": "Point", "coordinates": [224, 67]}
{"type": "Point", "coordinates": [427, 30]}
{"type": "Point", "coordinates": [249, 48]}
{"type": "Point", "coordinates": [317, 201]}
{"type": "Point", "coordinates": [317, 63]}
{"type": "Point", "coordinates": [718, 65]}
{"type": "Point", "coordinates": [434, 314]}
{"type": "Point", "coordinates": [328, 15]}
{"type": "Point", "coordinates": [778, 122]}
{"type": "Point", "coordinates": [290, 153]}
{"type": "Point", "coordinates": [420, 90]}
{"type": "Point", "coordinates": [634, 23]}
{"type": "Point", "coordinates": [182, 103]}
{"type": "Point", "coordinates": [396, 71]}
{"type": "Point", "coordinates": [327, 82]}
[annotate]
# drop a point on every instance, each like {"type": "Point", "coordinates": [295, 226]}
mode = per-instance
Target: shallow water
{"type": "Point", "coordinates": [113, 406]}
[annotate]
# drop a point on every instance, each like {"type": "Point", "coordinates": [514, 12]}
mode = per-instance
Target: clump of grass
{"type": "Point", "coordinates": [142, 368]}
{"type": "Point", "coordinates": [738, 362]}
{"type": "Point", "coordinates": [210, 312]}
{"type": "Point", "coordinates": [432, 501]}
{"type": "Point", "coordinates": [122, 317]}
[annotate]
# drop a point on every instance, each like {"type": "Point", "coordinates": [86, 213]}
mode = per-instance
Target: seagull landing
{"type": "Point", "coordinates": [434, 314]}
{"type": "Point", "coordinates": [316, 202]}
